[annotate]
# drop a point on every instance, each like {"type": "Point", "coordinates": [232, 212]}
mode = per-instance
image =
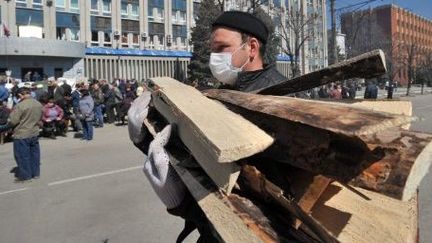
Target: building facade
{"type": "Point", "coordinates": [105, 39]}
{"type": "Point", "coordinates": [404, 36]}
{"type": "Point", "coordinates": [311, 27]}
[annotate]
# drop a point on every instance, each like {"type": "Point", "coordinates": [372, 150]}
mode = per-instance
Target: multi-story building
{"type": "Point", "coordinates": [403, 35]}
{"type": "Point", "coordinates": [115, 38]}
{"type": "Point", "coordinates": [310, 25]}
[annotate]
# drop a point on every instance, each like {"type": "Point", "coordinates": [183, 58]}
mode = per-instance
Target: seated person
{"type": "Point", "coordinates": [52, 118]}
{"type": "Point", "coordinates": [4, 116]}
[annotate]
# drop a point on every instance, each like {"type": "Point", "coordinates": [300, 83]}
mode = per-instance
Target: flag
{"type": "Point", "coordinates": [6, 30]}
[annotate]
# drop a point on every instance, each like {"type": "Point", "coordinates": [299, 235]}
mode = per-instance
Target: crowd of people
{"type": "Point", "coordinates": [82, 107]}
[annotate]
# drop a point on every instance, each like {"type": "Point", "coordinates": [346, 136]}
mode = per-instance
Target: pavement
{"type": "Point", "coordinates": [422, 108]}
{"type": "Point", "coordinates": [88, 192]}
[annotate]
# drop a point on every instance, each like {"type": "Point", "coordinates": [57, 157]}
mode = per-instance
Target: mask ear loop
{"type": "Point", "coordinates": [246, 62]}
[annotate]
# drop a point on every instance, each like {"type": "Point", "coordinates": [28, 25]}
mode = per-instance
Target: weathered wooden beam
{"type": "Point", "coordinates": [214, 135]}
{"type": "Point", "coordinates": [351, 218]}
{"type": "Point", "coordinates": [368, 65]}
{"type": "Point", "coordinates": [336, 117]}
{"type": "Point", "coordinates": [391, 162]}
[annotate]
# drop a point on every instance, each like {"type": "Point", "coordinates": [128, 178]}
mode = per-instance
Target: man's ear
{"type": "Point", "coordinates": [254, 47]}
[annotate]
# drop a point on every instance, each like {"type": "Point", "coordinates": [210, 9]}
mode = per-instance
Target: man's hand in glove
{"type": "Point", "coordinates": [164, 180]}
{"type": "Point", "coordinates": [136, 116]}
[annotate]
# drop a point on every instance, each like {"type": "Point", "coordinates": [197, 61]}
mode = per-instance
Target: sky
{"type": "Point", "coordinates": [420, 7]}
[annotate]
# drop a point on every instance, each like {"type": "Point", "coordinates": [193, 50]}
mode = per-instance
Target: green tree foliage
{"type": "Point", "coordinates": [198, 67]}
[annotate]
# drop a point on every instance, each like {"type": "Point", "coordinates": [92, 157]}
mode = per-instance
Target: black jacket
{"type": "Point", "coordinates": [253, 80]}
{"type": "Point", "coordinates": [189, 208]}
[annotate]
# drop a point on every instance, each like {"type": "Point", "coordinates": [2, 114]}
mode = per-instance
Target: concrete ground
{"type": "Point", "coordinates": [88, 192]}
{"type": "Point", "coordinates": [422, 108]}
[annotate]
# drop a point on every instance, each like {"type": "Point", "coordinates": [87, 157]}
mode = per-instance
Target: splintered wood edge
{"type": "Point", "coordinates": [227, 224]}
{"type": "Point", "coordinates": [418, 172]}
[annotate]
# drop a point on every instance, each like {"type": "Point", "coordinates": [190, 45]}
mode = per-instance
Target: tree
{"type": "Point", "coordinates": [273, 40]}
{"type": "Point", "coordinates": [293, 24]}
{"type": "Point", "coordinates": [198, 68]}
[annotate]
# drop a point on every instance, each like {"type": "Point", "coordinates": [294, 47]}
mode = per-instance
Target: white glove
{"type": "Point", "coordinates": [136, 115]}
{"type": "Point", "coordinates": [164, 180]}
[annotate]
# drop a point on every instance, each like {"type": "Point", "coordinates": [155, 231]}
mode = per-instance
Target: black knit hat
{"type": "Point", "coordinates": [243, 22]}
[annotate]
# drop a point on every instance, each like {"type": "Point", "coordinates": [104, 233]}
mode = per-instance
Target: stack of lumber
{"type": "Point", "coordinates": [274, 169]}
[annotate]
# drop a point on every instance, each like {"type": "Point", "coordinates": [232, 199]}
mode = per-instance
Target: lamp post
{"type": "Point", "coordinates": [116, 39]}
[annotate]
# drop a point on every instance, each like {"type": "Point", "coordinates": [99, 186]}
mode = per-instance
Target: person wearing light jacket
{"type": "Point", "coordinates": [86, 105]}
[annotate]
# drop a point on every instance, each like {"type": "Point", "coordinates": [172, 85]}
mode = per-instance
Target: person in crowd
{"type": "Point", "coordinates": [130, 96]}
{"type": "Point", "coordinates": [75, 99]}
{"type": "Point", "coordinates": [118, 100]}
{"type": "Point", "coordinates": [52, 118]}
{"type": "Point", "coordinates": [25, 122]}
{"type": "Point", "coordinates": [237, 48]}
{"type": "Point", "coordinates": [4, 114]}
{"type": "Point", "coordinates": [67, 89]}
{"type": "Point", "coordinates": [98, 98]}
{"type": "Point", "coordinates": [27, 76]}
{"type": "Point", "coordinates": [4, 92]}
{"type": "Point", "coordinates": [86, 105]}
{"type": "Point", "coordinates": [323, 92]}
{"type": "Point", "coordinates": [352, 90]}
{"type": "Point", "coordinates": [371, 91]}
{"type": "Point", "coordinates": [110, 103]}
{"type": "Point", "coordinates": [336, 92]}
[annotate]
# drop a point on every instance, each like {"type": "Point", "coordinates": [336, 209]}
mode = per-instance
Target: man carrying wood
{"type": "Point", "coordinates": [238, 44]}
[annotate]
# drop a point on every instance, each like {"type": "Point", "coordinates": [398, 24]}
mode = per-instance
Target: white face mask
{"type": "Point", "coordinates": [222, 68]}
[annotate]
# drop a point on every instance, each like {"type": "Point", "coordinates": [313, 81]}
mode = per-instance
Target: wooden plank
{"type": "Point", "coordinates": [336, 117]}
{"type": "Point", "coordinates": [351, 218]}
{"type": "Point", "coordinates": [227, 224]}
{"type": "Point", "coordinates": [391, 162]}
{"type": "Point", "coordinates": [367, 65]}
{"type": "Point", "coordinates": [224, 135]}
{"type": "Point", "coordinates": [213, 134]}
{"type": "Point", "coordinates": [399, 107]}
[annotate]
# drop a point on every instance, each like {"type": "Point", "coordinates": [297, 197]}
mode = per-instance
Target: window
{"type": "Point", "coordinates": [155, 4]}
{"type": "Point", "coordinates": [124, 8]}
{"type": "Point", "coordinates": [134, 9]}
{"type": "Point", "coordinates": [157, 29]}
{"type": "Point", "coordinates": [74, 5]}
{"type": "Point", "coordinates": [29, 17]}
{"type": "Point", "coordinates": [180, 31]}
{"type": "Point", "coordinates": [100, 24]}
{"type": "Point", "coordinates": [21, 3]}
{"type": "Point", "coordinates": [94, 5]}
{"type": "Point", "coordinates": [60, 4]}
{"type": "Point", "coordinates": [37, 4]}
{"type": "Point", "coordinates": [129, 26]}
{"type": "Point", "coordinates": [179, 5]}
{"type": "Point", "coordinates": [67, 22]}
{"type": "Point", "coordinates": [196, 7]}
{"type": "Point", "coordinates": [106, 6]}
{"type": "Point", "coordinates": [129, 9]}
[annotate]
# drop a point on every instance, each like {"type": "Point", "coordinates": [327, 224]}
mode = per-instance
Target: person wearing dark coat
{"type": "Point", "coordinates": [371, 91]}
{"type": "Point", "coordinates": [236, 60]}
